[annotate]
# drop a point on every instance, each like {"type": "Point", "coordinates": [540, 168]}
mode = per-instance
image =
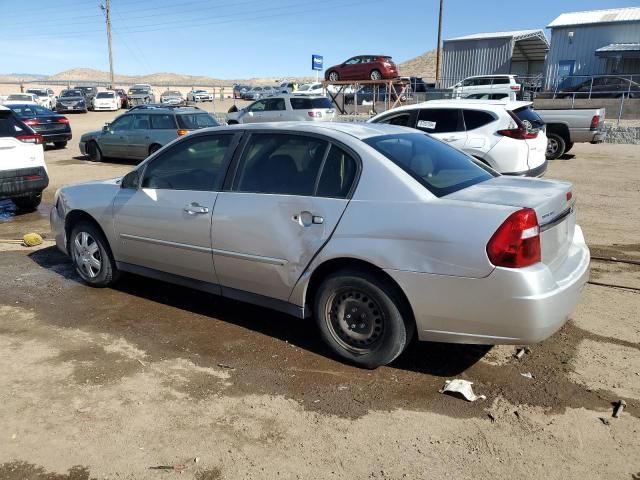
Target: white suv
{"type": "Point", "coordinates": [506, 135]}
{"type": "Point", "coordinates": [23, 173]}
{"type": "Point", "coordinates": [488, 84]}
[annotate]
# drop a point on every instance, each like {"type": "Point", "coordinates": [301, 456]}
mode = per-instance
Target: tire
{"type": "Point", "coordinates": [555, 146]}
{"type": "Point", "coordinates": [29, 202]}
{"type": "Point", "coordinates": [60, 144]}
{"type": "Point", "coordinates": [568, 146]}
{"type": "Point", "coordinates": [232, 122]}
{"type": "Point", "coordinates": [154, 148]}
{"type": "Point", "coordinates": [334, 76]}
{"type": "Point", "coordinates": [375, 75]}
{"type": "Point", "coordinates": [91, 255]}
{"type": "Point", "coordinates": [93, 150]}
{"type": "Point", "coordinates": [385, 329]}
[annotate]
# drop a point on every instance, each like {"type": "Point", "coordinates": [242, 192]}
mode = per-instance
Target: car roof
{"type": "Point", "coordinates": [357, 130]}
{"type": "Point", "coordinates": [160, 108]}
{"type": "Point", "coordinates": [502, 104]}
{"type": "Point", "coordinates": [496, 75]}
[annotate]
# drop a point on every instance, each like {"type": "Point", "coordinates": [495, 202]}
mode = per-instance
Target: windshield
{"type": "Point", "coordinates": [172, 94]}
{"type": "Point", "coordinates": [193, 121]}
{"type": "Point", "coordinates": [105, 95]}
{"type": "Point", "coordinates": [71, 93]}
{"type": "Point", "coordinates": [441, 169]}
{"type": "Point", "coordinates": [40, 93]}
{"type": "Point", "coordinates": [137, 91]}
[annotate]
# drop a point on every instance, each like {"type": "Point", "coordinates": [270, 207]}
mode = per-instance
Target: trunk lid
{"type": "Point", "coordinates": [552, 201]}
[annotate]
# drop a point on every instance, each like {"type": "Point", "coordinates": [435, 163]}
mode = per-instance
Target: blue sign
{"type": "Point", "coordinates": [316, 62]}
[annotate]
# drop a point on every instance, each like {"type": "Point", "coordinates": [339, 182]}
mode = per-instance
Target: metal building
{"type": "Point", "coordinates": [594, 42]}
{"type": "Point", "coordinates": [521, 52]}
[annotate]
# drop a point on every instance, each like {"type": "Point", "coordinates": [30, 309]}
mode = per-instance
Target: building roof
{"type": "Point", "coordinates": [515, 34]}
{"type": "Point", "coordinates": [610, 15]}
{"type": "Point", "coordinates": [620, 47]}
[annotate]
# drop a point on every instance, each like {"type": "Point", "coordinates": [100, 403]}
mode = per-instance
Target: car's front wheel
{"type": "Point", "coordinates": [334, 76]}
{"type": "Point", "coordinates": [93, 150]}
{"type": "Point", "coordinates": [362, 317]}
{"type": "Point", "coordinates": [91, 255]}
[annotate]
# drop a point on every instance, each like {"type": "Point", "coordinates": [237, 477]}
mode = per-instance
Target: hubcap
{"type": "Point", "coordinates": [87, 255]}
{"type": "Point", "coordinates": [375, 75]}
{"type": "Point", "coordinates": [333, 77]}
{"type": "Point", "coordinates": [355, 319]}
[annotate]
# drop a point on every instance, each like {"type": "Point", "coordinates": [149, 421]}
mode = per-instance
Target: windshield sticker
{"type": "Point", "coordinates": [427, 124]}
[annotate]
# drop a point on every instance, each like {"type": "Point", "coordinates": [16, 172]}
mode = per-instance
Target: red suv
{"type": "Point", "coordinates": [363, 67]}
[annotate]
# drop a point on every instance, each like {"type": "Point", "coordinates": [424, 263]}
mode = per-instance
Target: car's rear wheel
{"type": "Point", "coordinates": [91, 255]}
{"type": "Point", "coordinates": [555, 146]}
{"type": "Point", "coordinates": [362, 318]}
{"type": "Point", "coordinates": [93, 150]}
{"type": "Point", "coordinates": [334, 76]}
{"type": "Point", "coordinates": [60, 144]}
{"type": "Point", "coordinates": [154, 148]}
{"type": "Point", "coordinates": [28, 202]}
{"type": "Point", "coordinates": [375, 75]}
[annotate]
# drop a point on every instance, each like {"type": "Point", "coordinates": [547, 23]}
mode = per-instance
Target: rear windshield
{"type": "Point", "coordinates": [105, 95]}
{"type": "Point", "coordinates": [441, 169]}
{"type": "Point", "coordinates": [24, 111]}
{"type": "Point", "coordinates": [193, 121]}
{"type": "Point", "coordinates": [310, 103]}
{"type": "Point", "coordinates": [529, 117]}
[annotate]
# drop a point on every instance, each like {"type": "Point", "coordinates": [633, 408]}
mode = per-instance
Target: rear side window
{"type": "Point", "coordinates": [280, 164]}
{"type": "Point", "coordinates": [402, 120]}
{"type": "Point", "coordinates": [338, 173]}
{"type": "Point", "coordinates": [275, 104]}
{"type": "Point", "coordinates": [476, 118]}
{"type": "Point", "coordinates": [441, 169]}
{"type": "Point", "coordinates": [141, 122]}
{"type": "Point", "coordinates": [529, 117]}
{"type": "Point", "coordinates": [164, 122]}
{"type": "Point", "coordinates": [501, 81]}
{"type": "Point", "coordinates": [310, 103]}
{"type": "Point", "coordinates": [194, 121]}
{"type": "Point", "coordinates": [440, 120]}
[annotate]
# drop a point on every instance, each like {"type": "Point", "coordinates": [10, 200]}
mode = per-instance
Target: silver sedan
{"type": "Point", "coordinates": [376, 231]}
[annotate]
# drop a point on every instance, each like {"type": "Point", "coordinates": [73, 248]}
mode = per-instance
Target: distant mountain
{"type": "Point", "coordinates": [421, 66]}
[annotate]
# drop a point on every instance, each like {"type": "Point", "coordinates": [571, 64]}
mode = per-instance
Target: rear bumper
{"type": "Point", "coordinates": [534, 172]}
{"type": "Point", "coordinates": [23, 181]}
{"type": "Point", "coordinates": [56, 137]}
{"type": "Point", "coordinates": [510, 306]}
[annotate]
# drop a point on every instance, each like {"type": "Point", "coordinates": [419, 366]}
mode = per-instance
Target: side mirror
{"type": "Point", "coordinates": [105, 128]}
{"type": "Point", "coordinates": [131, 180]}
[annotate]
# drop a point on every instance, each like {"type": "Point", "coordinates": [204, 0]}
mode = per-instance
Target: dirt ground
{"type": "Point", "coordinates": [140, 381]}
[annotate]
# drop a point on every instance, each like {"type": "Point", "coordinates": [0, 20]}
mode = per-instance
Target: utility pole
{"type": "Point", "coordinates": [106, 8]}
{"type": "Point", "coordinates": [439, 49]}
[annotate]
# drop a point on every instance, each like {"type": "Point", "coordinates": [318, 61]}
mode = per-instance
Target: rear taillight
{"type": "Point", "coordinates": [569, 196]}
{"type": "Point", "coordinates": [595, 121]}
{"type": "Point", "coordinates": [30, 138]}
{"type": "Point", "coordinates": [315, 114]}
{"type": "Point", "coordinates": [182, 132]}
{"type": "Point", "coordinates": [63, 120]}
{"type": "Point", "coordinates": [516, 243]}
{"type": "Point", "coordinates": [31, 122]}
{"type": "Point", "coordinates": [520, 132]}
{"type": "Point", "coordinates": [515, 88]}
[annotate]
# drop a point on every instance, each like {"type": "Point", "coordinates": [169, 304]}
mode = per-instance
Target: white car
{"type": "Point", "coordinates": [21, 98]}
{"type": "Point", "coordinates": [489, 84]}
{"type": "Point", "coordinates": [283, 108]}
{"type": "Point", "coordinates": [45, 97]}
{"type": "Point", "coordinates": [23, 173]}
{"type": "Point", "coordinates": [199, 96]}
{"type": "Point", "coordinates": [506, 135]}
{"type": "Point", "coordinates": [310, 89]}
{"type": "Point", "coordinates": [108, 100]}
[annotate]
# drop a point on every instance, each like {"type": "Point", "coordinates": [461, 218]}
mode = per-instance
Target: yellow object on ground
{"type": "Point", "coordinates": [31, 239]}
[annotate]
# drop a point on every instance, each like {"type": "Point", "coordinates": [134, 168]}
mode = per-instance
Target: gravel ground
{"type": "Point", "coordinates": [138, 381]}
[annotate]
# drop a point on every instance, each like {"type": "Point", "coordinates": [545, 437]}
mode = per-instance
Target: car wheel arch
{"type": "Point", "coordinates": [73, 218]}
{"type": "Point", "coordinates": [352, 264]}
{"type": "Point", "coordinates": [560, 129]}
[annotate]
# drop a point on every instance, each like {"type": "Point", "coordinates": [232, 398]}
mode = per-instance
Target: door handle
{"type": "Point", "coordinates": [195, 209]}
{"type": "Point", "coordinates": [306, 219]}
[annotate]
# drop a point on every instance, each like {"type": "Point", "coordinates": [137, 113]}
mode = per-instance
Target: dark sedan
{"type": "Point", "coordinates": [124, 99]}
{"type": "Point", "coordinates": [72, 101]}
{"type": "Point", "coordinates": [53, 127]}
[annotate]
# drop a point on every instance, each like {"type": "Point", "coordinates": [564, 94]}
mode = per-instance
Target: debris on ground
{"type": "Point", "coordinates": [604, 421]}
{"type": "Point", "coordinates": [178, 467]}
{"type": "Point", "coordinates": [31, 239]}
{"type": "Point", "coordinates": [520, 352]}
{"type": "Point", "coordinates": [491, 416]}
{"type": "Point", "coordinates": [463, 387]}
{"type": "Point", "coordinates": [224, 365]}
{"type": "Point", "coordinates": [619, 408]}
{"type": "Point", "coordinates": [527, 375]}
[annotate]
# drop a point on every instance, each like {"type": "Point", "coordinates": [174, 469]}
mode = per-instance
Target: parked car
{"type": "Point", "coordinates": [108, 100]}
{"type": "Point", "coordinates": [487, 96]}
{"type": "Point", "coordinates": [571, 125]}
{"type": "Point", "coordinates": [257, 93]}
{"type": "Point", "coordinates": [45, 97]}
{"type": "Point", "coordinates": [199, 96]}
{"type": "Point", "coordinates": [418, 85]}
{"type": "Point", "coordinates": [19, 98]}
{"type": "Point", "coordinates": [141, 94]}
{"type": "Point", "coordinates": [23, 173]}
{"type": "Point", "coordinates": [376, 231]}
{"type": "Point", "coordinates": [286, 87]}
{"type": "Point", "coordinates": [142, 131]}
{"type": "Point", "coordinates": [285, 108]}
{"type": "Point", "coordinates": [172, 97]}
{"type": "Point", "coordinates": [238, 90]}
{"type": "Point", "coordinates": [53, 127]}
{"type": "Point", "coordinates": [491, 84]}
{"type": "Point", "coordinates": [363, 67]}
{"type": "Point", "coordinates": [507, 136]}
{"type": "Point", "coordinates": [602, 87]}
{"type": "Point", "coordinates": [310, 89]}
{"type": "Point", "coordinates": [72, 101]}
{"type": "Point", "coordinates": [89, 94]}
{"type": "Point", "coordinates": [124, 100]}
{"type": "Point", "coordinates": [371, 93]}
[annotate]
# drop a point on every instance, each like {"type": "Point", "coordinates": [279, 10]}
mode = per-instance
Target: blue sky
{"type": "Point", "coordinates": [247, 38]}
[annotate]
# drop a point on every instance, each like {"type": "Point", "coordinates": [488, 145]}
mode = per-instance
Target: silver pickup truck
{"type": "Point", "coordinates": [568, 126]}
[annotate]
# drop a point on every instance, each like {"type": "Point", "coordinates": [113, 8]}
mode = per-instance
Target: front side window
{"type": "Point", "coordinates": [280, 164]}
{"type": "Point", "coordinates": [198, 163]}
{"type": "Point", "coordinates": [353, 61]}
{"type": "Point", "coordinates": [259, 106]}
{"type": "Point", "coordinates": [441, 169]}
{"type": "Point", "coordinates": [122, 123]}
{"type": "Point", "coordinates": [440, 120]}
